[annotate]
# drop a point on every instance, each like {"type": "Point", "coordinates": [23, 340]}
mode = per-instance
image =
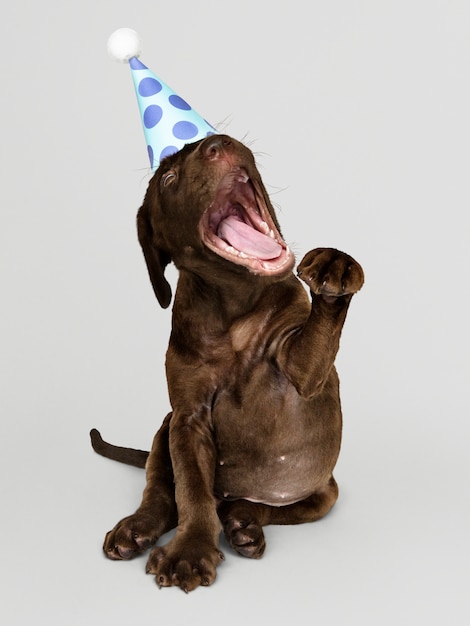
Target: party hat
{"type": "Point", "coordinates": [168, 121]}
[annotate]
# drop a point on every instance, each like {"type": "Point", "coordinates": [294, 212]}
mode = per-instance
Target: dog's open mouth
{"type": "Point", "coordinates": [238, 227]}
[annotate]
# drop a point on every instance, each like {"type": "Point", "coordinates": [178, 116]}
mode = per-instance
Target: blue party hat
{"type": "Point", "coordinates": [168, 121]}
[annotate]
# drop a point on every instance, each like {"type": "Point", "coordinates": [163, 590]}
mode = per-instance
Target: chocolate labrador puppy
{"type": "Point", "coordinates": [255, 427]}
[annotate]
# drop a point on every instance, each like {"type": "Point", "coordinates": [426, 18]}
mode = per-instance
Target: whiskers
{"type": "Point", "coordinates": [221, 127]}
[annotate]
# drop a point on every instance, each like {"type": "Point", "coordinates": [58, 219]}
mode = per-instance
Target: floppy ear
{"type": "Point", "coordinates": [155, 258]}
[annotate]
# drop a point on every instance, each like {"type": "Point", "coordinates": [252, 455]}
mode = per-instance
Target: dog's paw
{"type": "Point", "coordinates": [246, 538]}
{"type": "Point", "coordinates": [330, 273]}
{"type": "Point", "coordinates": [130, 537]}
{"type": "Point", "coordinates": [184, 562]}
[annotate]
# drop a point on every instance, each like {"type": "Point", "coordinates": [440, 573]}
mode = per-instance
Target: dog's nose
{"type": "Point", "coordinates": [216, 146]}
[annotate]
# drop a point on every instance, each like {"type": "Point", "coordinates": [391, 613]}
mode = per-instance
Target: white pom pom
{"type": "Point", "coordinates": [124, 44]}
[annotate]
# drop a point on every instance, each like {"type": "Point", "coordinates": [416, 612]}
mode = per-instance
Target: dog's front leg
{"type": "Point", "coordinates": [191, 557]}
{"type": "Point", "coordinates": [308, 354]}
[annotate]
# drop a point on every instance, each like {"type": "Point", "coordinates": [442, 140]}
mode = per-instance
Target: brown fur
{"type": "Point", "coordinates": [255, 428]}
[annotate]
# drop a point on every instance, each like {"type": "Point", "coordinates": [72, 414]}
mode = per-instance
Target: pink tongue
{"type": "Point", "coordinates": [247, 239]}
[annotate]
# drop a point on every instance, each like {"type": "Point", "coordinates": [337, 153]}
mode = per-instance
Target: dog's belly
{"type": "Point", "coordinates": [276, 448]}
{"type": "Point", "coordinates": [287, 479]}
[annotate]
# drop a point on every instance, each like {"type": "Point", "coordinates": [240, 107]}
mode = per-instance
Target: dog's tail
{"type": "Point", "coordinates": [129, 456]}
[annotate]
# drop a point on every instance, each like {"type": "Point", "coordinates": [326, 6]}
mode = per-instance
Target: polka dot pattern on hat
{"type": "Point", "coordinates": [169, 122]}
{"type": "Point", "coordinates": [152, 115]}
{"type": "Point", "coordinates": [179, 103]}
{"type": "Point", "coordinates": [185, 130]}
{"type": "Point", "coordinates": [149, 87]}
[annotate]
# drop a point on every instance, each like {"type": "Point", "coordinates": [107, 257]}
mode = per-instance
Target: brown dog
{"type": "Point", "coordinates": [255, 429]}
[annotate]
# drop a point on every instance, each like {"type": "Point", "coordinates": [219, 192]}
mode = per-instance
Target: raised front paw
{"type": "Point", "coordinates": [131, 536]}
{"type": "Point", "coordinates": [330, 273]}
{"type": "Point", "coordinates": [186, 562]}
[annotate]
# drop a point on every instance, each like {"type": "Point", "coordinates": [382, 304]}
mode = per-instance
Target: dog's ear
{"type": "Point", "coordinates": [155, 257]}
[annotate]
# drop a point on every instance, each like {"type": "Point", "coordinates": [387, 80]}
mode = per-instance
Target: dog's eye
{"type": "Point", "coordinates": [168, 178]}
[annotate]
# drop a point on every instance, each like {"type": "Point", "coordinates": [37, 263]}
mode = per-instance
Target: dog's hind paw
{"type": "Point", "coordinates": [246, 538]}
{"type": "Point", "coordinates": [130, 537]}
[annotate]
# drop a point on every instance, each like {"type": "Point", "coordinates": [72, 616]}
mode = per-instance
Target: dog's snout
{"type": "Point", "coordinates": [217, 146]}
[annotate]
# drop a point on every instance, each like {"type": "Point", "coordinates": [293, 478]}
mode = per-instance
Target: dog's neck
{"type": "Point", "coordinates": [222, 301]}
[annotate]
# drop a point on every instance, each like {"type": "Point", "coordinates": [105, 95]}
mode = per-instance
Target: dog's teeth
{"type": "Point", "coordinates": [271, 234]}
{"type": "Point", "coordinates": [264, 227]}
{"type": "Point", "coordinates": [242, 255]}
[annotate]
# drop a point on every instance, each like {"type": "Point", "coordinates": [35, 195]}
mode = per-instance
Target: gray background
{"type": "Point", "coordinates": [359, 115]}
